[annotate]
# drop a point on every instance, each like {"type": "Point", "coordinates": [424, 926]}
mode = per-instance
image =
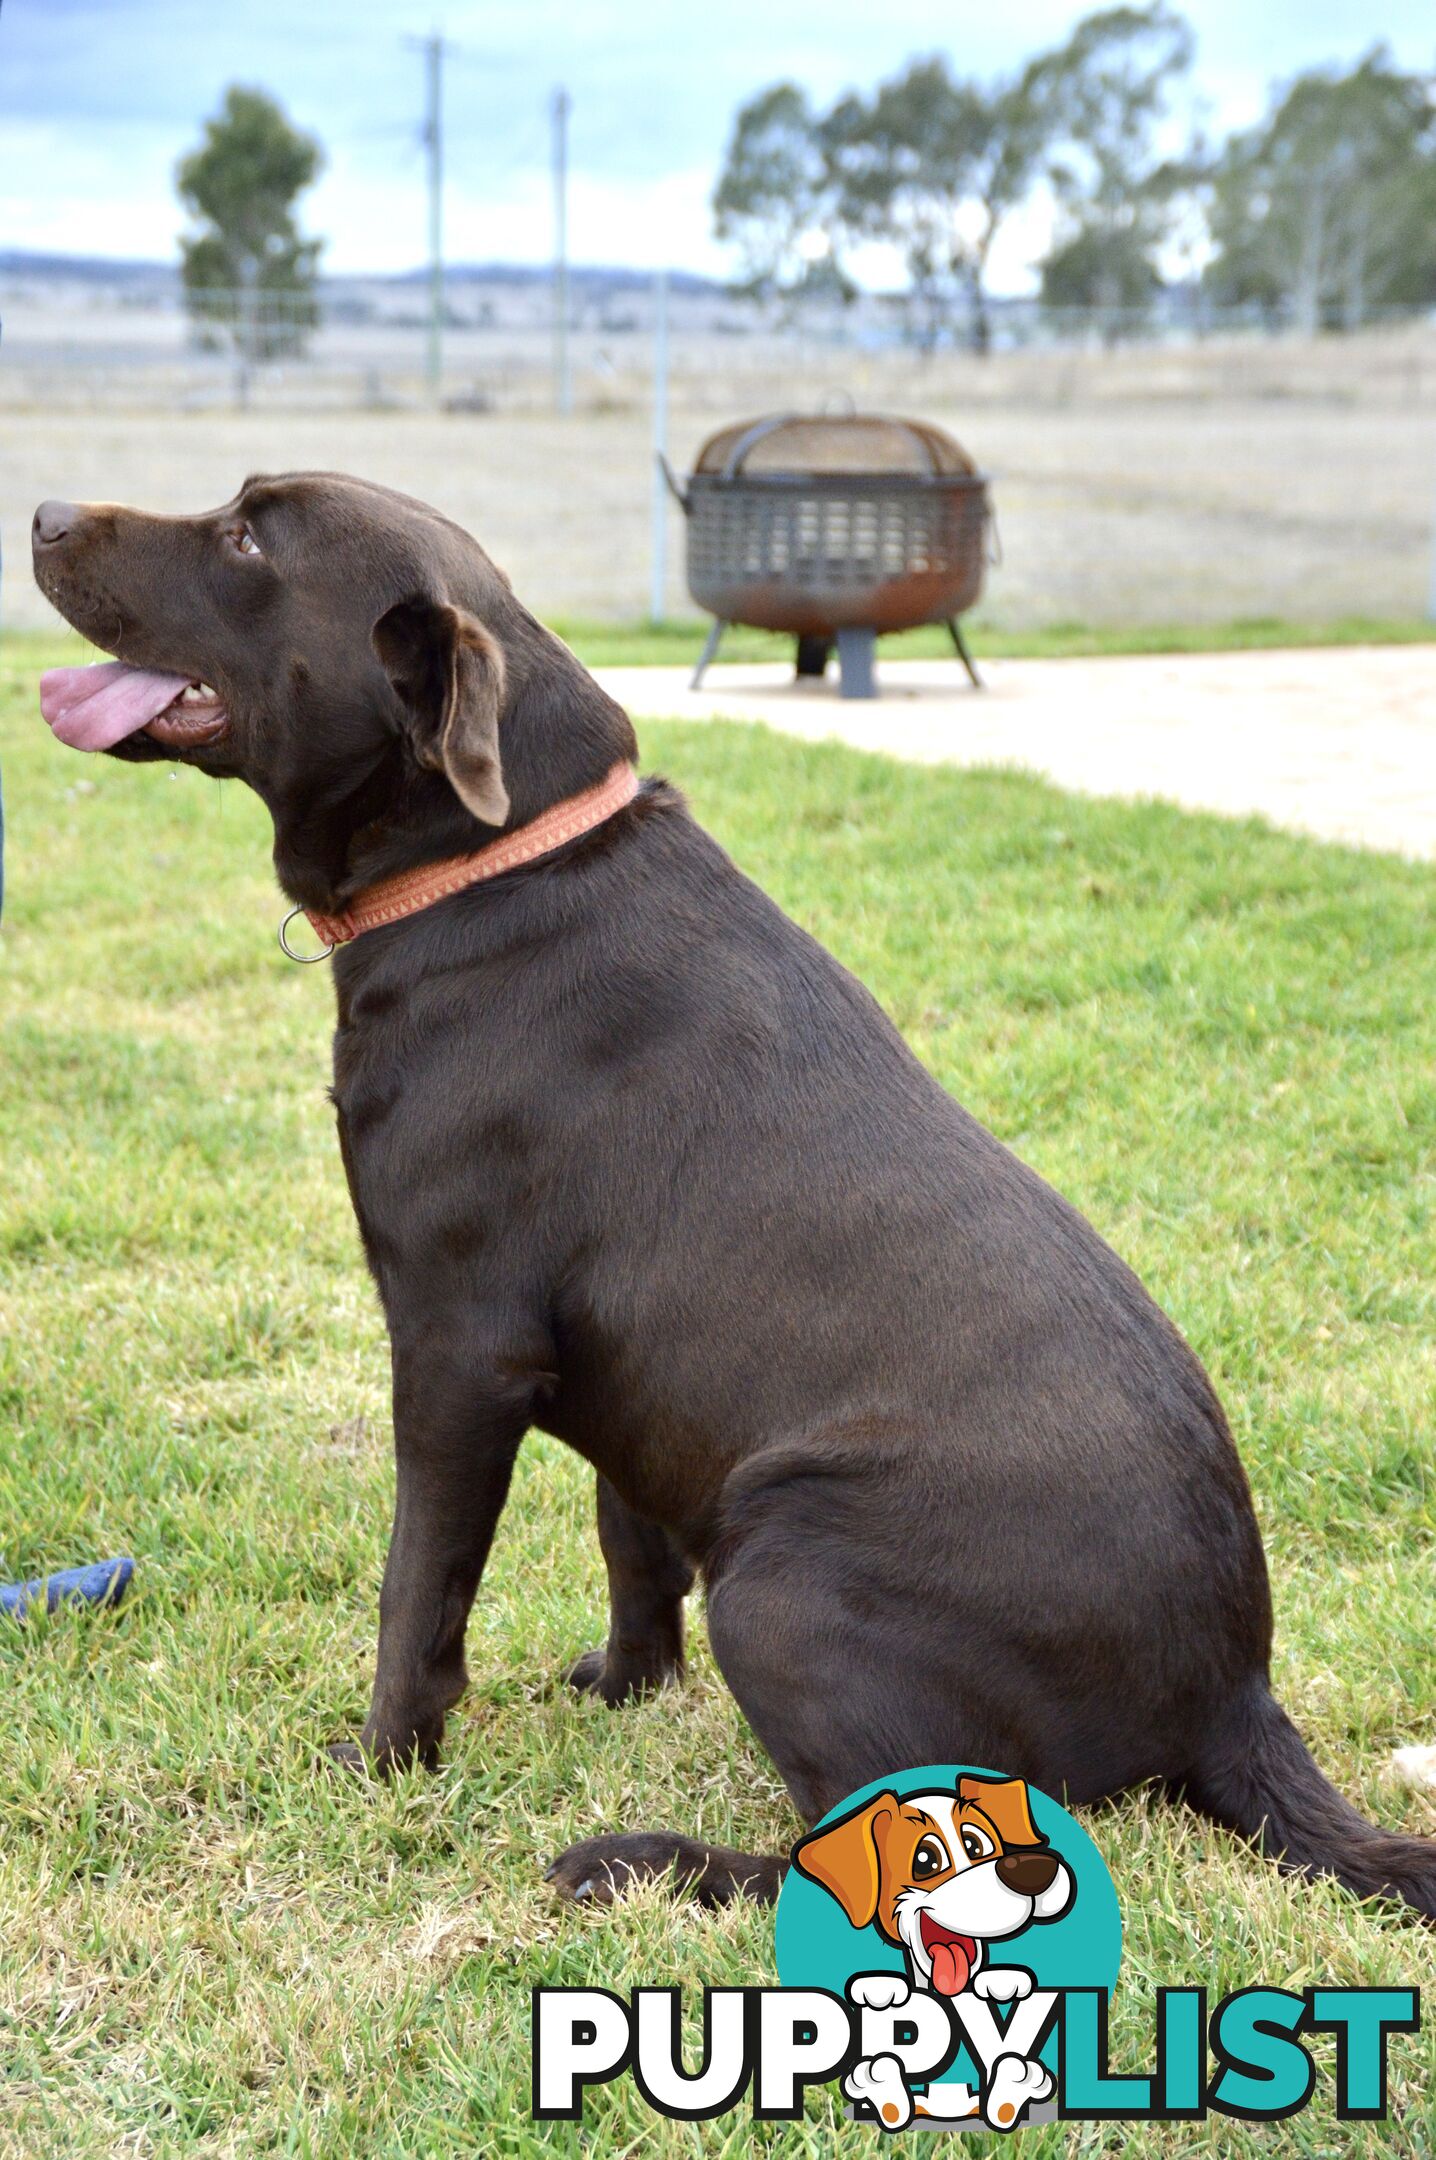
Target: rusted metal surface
{"type": "Point", "coordinates": [819, 524]}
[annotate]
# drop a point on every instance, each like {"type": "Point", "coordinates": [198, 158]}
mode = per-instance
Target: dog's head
{"type": "Point", "coordinates": [941, 1873]}
{"type": "Point", "coordinates": [344, 649]}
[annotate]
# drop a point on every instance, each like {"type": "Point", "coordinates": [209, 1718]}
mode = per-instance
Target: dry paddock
{"type": "Point", "coordinates": [1264, 480]}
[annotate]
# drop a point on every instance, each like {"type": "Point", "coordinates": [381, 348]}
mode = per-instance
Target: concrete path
{"type": "Point", "coordinates": [1341, 743]}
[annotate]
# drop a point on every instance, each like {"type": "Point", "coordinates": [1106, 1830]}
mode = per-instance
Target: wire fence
{"type": "Point", "coordinates": [1188, 470]}
{"type": "Point", "coordinates": [369, 347]}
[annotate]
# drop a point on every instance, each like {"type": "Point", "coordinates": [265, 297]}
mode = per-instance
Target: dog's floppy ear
{"type": "Point", "coordinates": [1004, 1802]}
{"type": "Point", "coordinates": [448, 672]}
{"type": "Point", "coordinates": [846, 1858]}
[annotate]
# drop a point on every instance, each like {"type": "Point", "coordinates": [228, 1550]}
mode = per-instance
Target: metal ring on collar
{"type": "Point", "coordinates": [305, 959]}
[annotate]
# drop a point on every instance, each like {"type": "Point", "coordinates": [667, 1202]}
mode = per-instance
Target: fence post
{"type": "Point", "coordinates": [658, 566]}
{"type": "Point", "coordinates": [246, 331]}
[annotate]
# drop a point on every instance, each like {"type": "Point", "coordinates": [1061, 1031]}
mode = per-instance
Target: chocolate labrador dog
{"type": "Point", "coordinates": [635, 1161]}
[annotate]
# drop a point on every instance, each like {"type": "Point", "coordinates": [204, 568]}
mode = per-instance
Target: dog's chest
{"type": "Point", "coordinates": [442, 1165]}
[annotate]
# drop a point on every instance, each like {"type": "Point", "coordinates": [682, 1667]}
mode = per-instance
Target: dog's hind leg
{"type": "Point", "coordinates": [829, 1692]}
{"type": "Point", "coordinates": [839, 1684]}
{"type": "Point", "coordinates": [648, 1579]}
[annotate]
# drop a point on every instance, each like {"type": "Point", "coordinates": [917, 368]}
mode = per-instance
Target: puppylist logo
{"type": "Point", "coordinates": [947, 1944]}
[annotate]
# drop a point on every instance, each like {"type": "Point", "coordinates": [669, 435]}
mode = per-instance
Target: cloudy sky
{"type": "Point", "coordinates": [99, 97]}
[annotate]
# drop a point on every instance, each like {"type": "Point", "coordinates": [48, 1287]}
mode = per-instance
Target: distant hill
{"type": "Point", "coordinates": [594, 278]}
{"type": "Point", "coordinates": [84, 269]}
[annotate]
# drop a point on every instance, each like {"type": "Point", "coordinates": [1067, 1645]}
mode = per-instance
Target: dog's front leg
{"type": "Point", "coordinates": [456, 1433]}
{"type": "Point", "coordinates": [648, 1579]}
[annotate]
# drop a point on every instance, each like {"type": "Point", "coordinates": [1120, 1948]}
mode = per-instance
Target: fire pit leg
{"type": "Point", "coordinates": [709, 650]}
{"type": "Point", "coordinates": [813, 655]}
{"type": "Point", "coordinates": [964, 655]}
{"type": "Point", "coordinates": [855, 663]}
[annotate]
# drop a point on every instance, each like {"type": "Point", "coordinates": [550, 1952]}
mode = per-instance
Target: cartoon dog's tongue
{"type": "Point", "coordinates": [950, 1968]}
{"type": "Point", "coordinates": [91, 708]}
{"type": "Point", "coordinates": [953, 1956]}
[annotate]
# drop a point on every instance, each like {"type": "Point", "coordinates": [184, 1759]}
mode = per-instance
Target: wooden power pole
{"type": "Point", "coordinates": [432, 135]}
{"type": "Point", "coordinates": [562, 371]}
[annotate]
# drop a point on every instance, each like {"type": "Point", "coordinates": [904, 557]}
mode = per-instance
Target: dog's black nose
{"type": "Point", "coordinates": [1028, 1873]}
{"type": "Point", "coordinates": [53, 520]}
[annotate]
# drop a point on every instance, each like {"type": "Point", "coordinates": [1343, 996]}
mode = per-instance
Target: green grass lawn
{"type": "Point", "coordinates": [1218, 1040]}
{"type": "Point", "coordinates": [678, 643]}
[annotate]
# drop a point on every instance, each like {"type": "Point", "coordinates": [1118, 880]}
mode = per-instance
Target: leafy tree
{"type": "Point", "coordinates": [1107, 93]}
{"type": "Point", "coordinates": [773, 196]}
{"type": "Point", "coordinates": [247, 267]}
{"type": "Point", "coordinates": [1328, 207]}
{"type": "Point", "coordinates": [935, 165]}
{"type": "Point", "coordinates": [1112, 271]}
{"type": "Point", "coordinates": [1019, 130]}
{"type": "Point", "coordinates": [1325, 210]}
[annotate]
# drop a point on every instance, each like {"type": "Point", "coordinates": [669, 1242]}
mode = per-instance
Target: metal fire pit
{"type": "Point", "coordinates": [836, 527]}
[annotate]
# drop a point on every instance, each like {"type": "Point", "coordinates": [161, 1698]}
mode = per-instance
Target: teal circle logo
{"type": "Point", "coordinates": [962, 1883]}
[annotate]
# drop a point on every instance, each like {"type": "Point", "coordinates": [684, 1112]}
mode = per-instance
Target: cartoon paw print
{"type": "Point", "coordinates": [878, 2083]}
{"type": "Point", "coordinates": [878, 1990]}
{"type": "Point", "coordinates": [1003, 1983]}
{"type": "Point", "coordinates": [1014, 2084]}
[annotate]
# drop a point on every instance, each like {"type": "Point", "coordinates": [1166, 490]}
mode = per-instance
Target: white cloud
{"type": "Point", "coordinates": [98, 98]}
{"type": "Point", "coordinates": [377, 220]}
{"type": "Point", "coordinates": [79, 194]}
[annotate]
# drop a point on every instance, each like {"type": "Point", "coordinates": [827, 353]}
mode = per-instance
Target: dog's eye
{"type": "Point", "coordinates": [245, 541]}
{"type": "Point", "coordinates": [976, 1843]}
{"type": "Point", "coordinates": [929, 1859]}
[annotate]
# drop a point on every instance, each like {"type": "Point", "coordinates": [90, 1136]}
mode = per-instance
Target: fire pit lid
{"type": "Point", "coordinates": [789, 444]}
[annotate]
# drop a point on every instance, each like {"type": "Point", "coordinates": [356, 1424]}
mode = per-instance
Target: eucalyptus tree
{"type": "Point", "coordinates": [1107, 95]}
{"type": "Point", "coordinates": [934, 165]}
{"type": "Point", "coordinates": [1327, 209]}
{"type": "Point", "coordinates": [774, 197]}
{"type": "Point", "coordinates": [246, 265]}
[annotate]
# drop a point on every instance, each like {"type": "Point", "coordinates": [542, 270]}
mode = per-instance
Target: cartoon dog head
{"type": "Point", "coordinates": [941, 1873]}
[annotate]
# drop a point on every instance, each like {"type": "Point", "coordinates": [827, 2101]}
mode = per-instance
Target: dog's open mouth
{"type": "Point", "coordinates": [953, 1956]}
{"type": "Point", "coordinates": [93, 708]}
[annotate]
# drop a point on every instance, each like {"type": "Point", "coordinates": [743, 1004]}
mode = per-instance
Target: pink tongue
{"type": "Point", "coordinates": [92, 707]}
{"type": "Point", "coordinates": [950, 1968]}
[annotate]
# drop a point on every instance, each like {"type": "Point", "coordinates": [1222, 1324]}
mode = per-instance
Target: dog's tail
{"type": "Point", "coordinates": [1259, 1778]}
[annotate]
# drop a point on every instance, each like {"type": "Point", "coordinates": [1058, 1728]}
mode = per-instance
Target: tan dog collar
{"type": "Point", "coordinates": [410, 891]}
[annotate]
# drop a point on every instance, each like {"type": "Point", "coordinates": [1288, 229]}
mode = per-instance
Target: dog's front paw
{"type": "Point", "coordinates": [348, 1755]}
{"type": "Point", "coordinates": [878, 2084]}
{"type": "Point", "coordinates": [586, 1672]}
{"type": "Point", "coordinates": [878, 1990]}
{"type": "Point", "coordinates": [360, 1760]}
{"type": "Point", "coordinates": [595, 1674]}
{"type": "Point", "coordinates": [1003, 1983]}
{"type": "Point", "coordinates": [1015, 2083]}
